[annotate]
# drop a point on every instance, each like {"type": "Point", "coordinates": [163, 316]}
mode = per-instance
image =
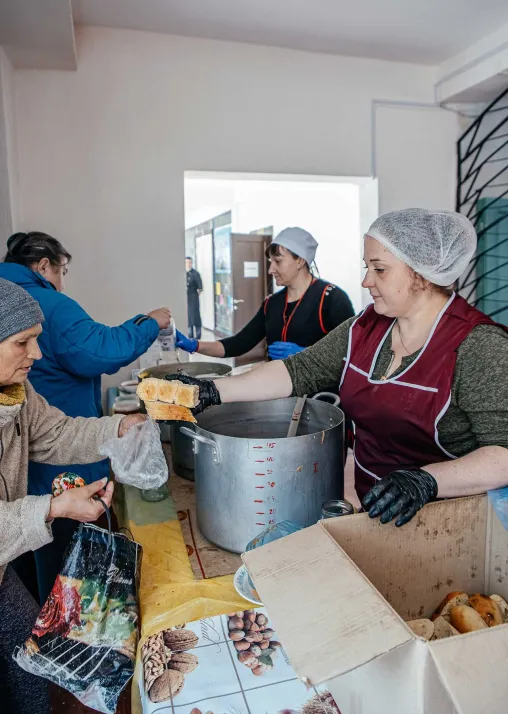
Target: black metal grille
{"type": "Point", "coordinates": [482, 194]}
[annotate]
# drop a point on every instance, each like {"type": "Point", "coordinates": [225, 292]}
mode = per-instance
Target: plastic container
{"type": "Point", "coordinates": [167, 338]}
{"type": "Point", "coordinates": [153, 495]}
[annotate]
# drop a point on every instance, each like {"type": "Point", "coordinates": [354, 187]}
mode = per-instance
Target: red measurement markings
{"type": "Point", "coordinates": [271, 522]}
{"type": "Point", "coordinates": [259, 474]}
{"type": "Point", "coordinates": [261, 524]}
{"type": "Point", "coordinates": [260, 513]}
{"type": "Point", "coordinates": [271, 484]}
{"type": "Point", "coordinates": [259, 486]}
{"type": "Point", "coordinates": [316, 467]}
{"type": "Point", "coordinates": [259, 461]}
{"type": "Point", "coordinates": [269, 472]}
{"type": "Point", "coordinates": [272, 511]}
{"type": "Point", "coordinates": [257, 447]}
{"type": "Point", "coordinates": [270, 445]}
{"type": "Point", "coordinates": [258, 501]}
{"type": "Point", "coordinates": [270, 458]}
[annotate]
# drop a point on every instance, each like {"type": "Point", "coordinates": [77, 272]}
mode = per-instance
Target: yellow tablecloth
{"type": "Point", "coordinates": [168, 594]}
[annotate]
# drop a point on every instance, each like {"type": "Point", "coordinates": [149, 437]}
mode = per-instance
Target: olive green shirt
{"type": "Point", "coordinates": [478, 411]}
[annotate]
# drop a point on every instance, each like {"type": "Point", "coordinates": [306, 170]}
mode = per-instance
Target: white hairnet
{"type": "Point", "coordinates": [436, 244]}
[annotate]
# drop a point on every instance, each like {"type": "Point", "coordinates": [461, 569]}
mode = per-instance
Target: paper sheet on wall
{"type": "Point", "coordinates": [250, 269]}
{"type": "Point", "coordinates": [210, 678]}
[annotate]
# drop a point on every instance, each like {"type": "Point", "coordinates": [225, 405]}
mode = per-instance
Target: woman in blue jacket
{"type": "Point", "coordinates": [76, 351]}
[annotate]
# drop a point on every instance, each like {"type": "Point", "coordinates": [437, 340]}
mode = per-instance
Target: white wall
{"type": "Point", "coordinates": [329, 211]}
{"type": "Point", "coordinates": [7, 150]}
{"type": "Point", "coordinates": [102, 151]}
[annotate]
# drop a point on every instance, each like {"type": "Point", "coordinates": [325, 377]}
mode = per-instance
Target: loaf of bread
{"type": "Point", "coordinates": [442, 629]}
{"type": "Point", "coordinates": [169, 392]}
{"type": "Point", "coordinates": [465, 619]}
{"type": "Point", "coordinates": [487, 608]}
{"type": "Point", "coordinates": [423, 628]}
{"type": "Point", "coordinates": [159, 411]}
{"type": "Point", "coordinates": [451, 600]}
{"type": "Point", "coordinates": [502, 604]}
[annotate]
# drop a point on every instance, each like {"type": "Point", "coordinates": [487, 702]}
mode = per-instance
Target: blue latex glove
{"type": "Point", "coordinates": [281, 350]}
{"type": "Point", "coordinates": [187, 344]}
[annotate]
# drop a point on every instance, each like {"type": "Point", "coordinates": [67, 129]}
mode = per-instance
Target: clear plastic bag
{"type": "Point", "coordinates": [137, 459]}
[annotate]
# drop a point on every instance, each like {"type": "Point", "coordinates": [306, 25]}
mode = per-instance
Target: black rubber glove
{"type": "Point", "coordinates": [208, 393]}
{"type": "Point", "coordinates": [401, 494]}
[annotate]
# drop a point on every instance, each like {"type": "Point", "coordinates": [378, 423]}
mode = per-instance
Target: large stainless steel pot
{"type": "Point", "coordinates": [249, 475]}
{"type": "Point", "coordinates": [181, 447]}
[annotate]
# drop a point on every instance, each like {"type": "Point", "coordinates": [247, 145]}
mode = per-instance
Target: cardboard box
{"type": "Point", "coordinates": [340, 591]}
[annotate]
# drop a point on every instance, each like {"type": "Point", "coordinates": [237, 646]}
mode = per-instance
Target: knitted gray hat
{"type": "Point", "coordinates": [18, 310]}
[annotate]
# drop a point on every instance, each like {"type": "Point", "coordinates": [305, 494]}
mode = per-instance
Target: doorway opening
{"type": "Point", "coordinates": [231, 218]}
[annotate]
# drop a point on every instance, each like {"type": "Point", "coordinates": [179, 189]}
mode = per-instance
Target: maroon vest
{"type": "Point", "coordinates": [396, 419]}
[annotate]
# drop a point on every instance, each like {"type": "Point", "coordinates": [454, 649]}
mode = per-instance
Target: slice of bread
{"type": "Point", "coordinates": [160, 411]}
{"type": "Point", "coordinates": [148, 389]}
{"type": "Point", "coordinates": [187, 395]}
{"type": "Point", "coordinates": [168, 391]}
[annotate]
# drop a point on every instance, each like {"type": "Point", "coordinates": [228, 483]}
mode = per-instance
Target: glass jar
{"type": "Point", "coordinates": [332, 509]}
{"type": "Point", "coordinates": [152, 495]}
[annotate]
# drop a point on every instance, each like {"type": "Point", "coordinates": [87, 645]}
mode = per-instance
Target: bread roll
{"type": "Point", "coordinates": [465, 619]}
{"type": "Point", "coordinates": [148, 389]}
{"type": "Point", "coordinates": [442, 629]}
{"type": "Point", "coordinates": [488, 610]}
{"type": "Point", "coordinates": [423, 628]}
{"type": "Point", "coordinates": [168, 412]}
{"type": "Point", "coordinates": [503, 606]}
{"type": "Point", "coordinates": [451, 600]}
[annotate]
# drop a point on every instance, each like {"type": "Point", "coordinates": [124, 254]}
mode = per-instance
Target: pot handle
{"type": "Point", "coordinates": [335, 397]}
{"type": "Point", "coordinates": [203, 440]}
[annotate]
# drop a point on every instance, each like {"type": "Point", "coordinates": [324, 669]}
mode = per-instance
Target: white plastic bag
{"type": "Point", "coordinates": [137, 459]}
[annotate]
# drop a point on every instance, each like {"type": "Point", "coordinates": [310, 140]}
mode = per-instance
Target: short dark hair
{"type": "Point", "coordinates": [187, 257]}
{"type": "Point", "coordinates": [274, 251]}
{"type": "Point", "coordinates": [29, 248]}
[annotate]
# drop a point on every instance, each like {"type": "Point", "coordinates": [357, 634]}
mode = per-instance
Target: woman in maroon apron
{"type": "Point", "coordinates": [420, 371]}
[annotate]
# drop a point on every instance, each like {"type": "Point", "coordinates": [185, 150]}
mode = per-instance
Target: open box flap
{"type": "Point", "coordinates": [473, 669]}
{"type": "Point", "coordinates": [328, 616]}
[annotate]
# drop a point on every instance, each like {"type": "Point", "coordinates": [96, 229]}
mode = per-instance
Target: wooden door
{"type": "Point", "coordinates": [250, 284]}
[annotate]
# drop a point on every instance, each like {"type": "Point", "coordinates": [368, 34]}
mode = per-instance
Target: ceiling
{"type": "Point", "coordinates": [417, 31]}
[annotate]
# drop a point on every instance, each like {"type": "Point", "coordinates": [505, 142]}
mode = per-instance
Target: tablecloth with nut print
{"type": "Point", "coordinates": [231, 663]}
{"type": "Point", "coordinates": [169, 595]}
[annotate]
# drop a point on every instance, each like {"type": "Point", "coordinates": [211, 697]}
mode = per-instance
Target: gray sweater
{"type": "Point", "coordinates": [478, 411]}
{"type": "Point", "coordinates": [32, 430]}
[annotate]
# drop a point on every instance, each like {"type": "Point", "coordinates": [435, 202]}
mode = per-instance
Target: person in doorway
{"type": "Point", "coordinates": [76, 351]}
{"type": "Point", "coordinates": [31, 429]}
{"type": "Point", "coordinates": [420, 371]}
{"type": "Point", "coordinates": [194, 290]}
{"type": "Point", "coordinates": [293, 318]}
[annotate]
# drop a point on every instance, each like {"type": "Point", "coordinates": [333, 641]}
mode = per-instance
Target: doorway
{"type": "Point", "coordinates": [230, 219]}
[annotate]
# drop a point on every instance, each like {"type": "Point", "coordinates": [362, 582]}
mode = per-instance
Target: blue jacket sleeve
{"type": "Point", "coordinates": [88, 349]}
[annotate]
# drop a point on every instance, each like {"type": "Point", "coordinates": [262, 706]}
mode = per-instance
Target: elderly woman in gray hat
{"type": "Point", "coordinates": [31, 429]}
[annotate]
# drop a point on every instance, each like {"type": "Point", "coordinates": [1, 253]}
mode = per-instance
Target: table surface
{"type": "Point", "coordinates": [169, 595]}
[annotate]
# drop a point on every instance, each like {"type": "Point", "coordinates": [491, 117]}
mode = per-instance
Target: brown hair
{"type": "Point", "coordinates": [445, 290]}
{"type": "Point", "coordinates": [274, 251]}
